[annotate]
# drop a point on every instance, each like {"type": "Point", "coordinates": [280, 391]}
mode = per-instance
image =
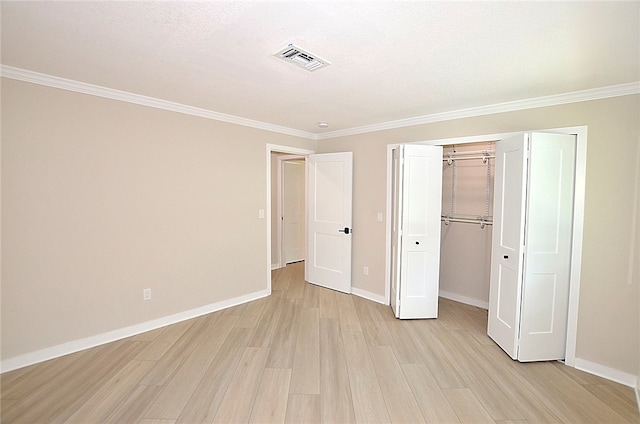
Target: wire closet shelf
{"type": "Point", "coordinates": [451, 158]}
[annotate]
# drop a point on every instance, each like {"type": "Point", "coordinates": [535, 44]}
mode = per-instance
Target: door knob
{"type": "Point", "coordinates": [346, 230]}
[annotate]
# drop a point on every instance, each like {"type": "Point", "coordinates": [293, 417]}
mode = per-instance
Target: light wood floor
{"type": "Point", "coordinates": [305, 355]}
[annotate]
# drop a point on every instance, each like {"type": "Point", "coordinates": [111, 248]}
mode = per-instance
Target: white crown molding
{"type": "Point", "coordinates": [558, 99]}
{"type": "Point", "coordinates": [109, 93]}
{"type": "Point", "coordinates": [95, 90]}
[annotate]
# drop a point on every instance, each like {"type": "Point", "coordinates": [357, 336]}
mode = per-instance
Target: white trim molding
{"type": "Point", "coordinates": [637, 390]}
{"type": "Point", "coordinates": [109, 93]}
{"type": "Point", "coordinates": [554, 100]}
{"type": "Point", "coordinates": [464, 299]}
{"type": "Point", "coordinates": [369, 296]}
{"type": "Point", "coordinates": [612, 374]}
{"type": "Point", "coordinates": [52, 352]}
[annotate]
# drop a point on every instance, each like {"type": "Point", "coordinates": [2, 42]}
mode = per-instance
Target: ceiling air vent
{"type": "Point", "coordinates": [301, 58]}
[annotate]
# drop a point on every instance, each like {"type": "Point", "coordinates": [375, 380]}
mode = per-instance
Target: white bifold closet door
{"type": "Point", "coordinates": [531, 246]}
{"type": "Point", "coordinates": [417, 207]}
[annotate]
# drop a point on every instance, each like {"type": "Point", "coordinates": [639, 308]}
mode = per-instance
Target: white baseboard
{"type": "Point", "coordinates": [638, 392]}
{"type": "Point", "coordinates": [608, 373]}
{"type": "Point", "coordinates": [52, 352]}
{"type": "Point", "coordinates": [463, 299]}
{"type": "Point", "coordinates": [275, 266]}
{"type": "Point", "coordinates": [369, 296]}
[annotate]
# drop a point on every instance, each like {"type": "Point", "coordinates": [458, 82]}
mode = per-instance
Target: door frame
{"type": "Point", "coordinates": [288, 150]}
{"type": "Point", "coordinates": [578, 218]}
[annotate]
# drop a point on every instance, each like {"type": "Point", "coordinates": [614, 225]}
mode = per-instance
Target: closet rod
{"type": "Point", "coordinates": [482, 220]}
{"type": "Point", "coordinates": [455, 157]}
{"type": "Point", "coordinates": [470, 152]}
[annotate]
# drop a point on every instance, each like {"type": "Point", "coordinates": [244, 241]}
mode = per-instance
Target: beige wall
{"type": "Point", "coordinates": [608, 325]}
{"type": "Point", "coordinates": [103, 198]}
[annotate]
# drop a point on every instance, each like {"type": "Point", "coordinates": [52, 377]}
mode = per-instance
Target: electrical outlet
{"type": "Point", "coordinates": [366, 270]}
{"type": "Point", "coordinates": [379, 216]}
{"type": "Point", "coordinates": [261, 213]}
{"type": "Point", "coordinates": [146, 294]}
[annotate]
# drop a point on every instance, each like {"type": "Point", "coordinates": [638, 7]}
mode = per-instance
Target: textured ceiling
{"type": "Point", "coordinates": [390, 60]}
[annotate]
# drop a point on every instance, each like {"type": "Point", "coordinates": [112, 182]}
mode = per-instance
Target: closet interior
{"type": "Point", "coordinates": [466, 222]}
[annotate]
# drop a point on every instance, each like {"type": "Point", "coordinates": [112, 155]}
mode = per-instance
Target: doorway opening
{"type": "Point", "coordinates": [289, 214]}
{"type": "Point", "coordinates": [273, 215]}
{"type": "Point", "coordinates": [329, 216]}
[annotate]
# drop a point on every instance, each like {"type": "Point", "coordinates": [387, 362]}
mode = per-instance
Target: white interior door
{"type": "Point", "coordinates": [507, 245]}
{"type": "Point", "coordinates": [293, 213]}
{"type": "Point", "coordinates": [420, 185]}
{"type": "Point", "coordinates": [329, 193]}
{"type": "Point", "coordinates": [545, 299]}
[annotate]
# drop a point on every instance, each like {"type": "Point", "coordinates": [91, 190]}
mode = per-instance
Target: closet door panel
{"type": "Point", "coordinates": [508, 236]}
{"type": "Point", "coordinates": [507, 291]}
{"type": "Point", "coordinates": [420, 231]}
{"type": "Point", "coordinates": [548, 247]}
{"type": "Point", "coordinates": [417, 265]}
